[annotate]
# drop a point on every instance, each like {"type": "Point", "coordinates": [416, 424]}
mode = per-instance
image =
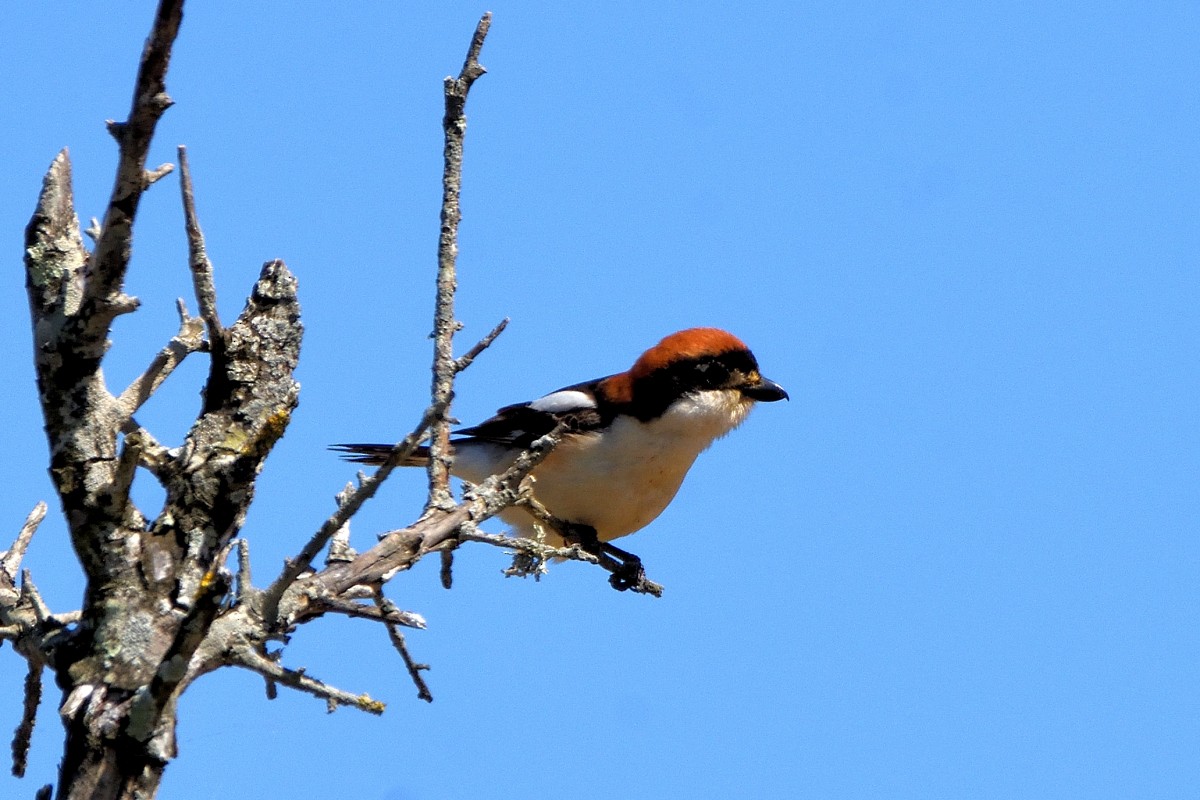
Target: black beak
{"type": "Point", "coordinates": [765, 391]}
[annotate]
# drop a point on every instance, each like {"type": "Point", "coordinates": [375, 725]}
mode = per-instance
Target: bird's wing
{"type": "Point", "coordinates": [520, 425]}
{"type": "Point", "coordinates": [516, 426]}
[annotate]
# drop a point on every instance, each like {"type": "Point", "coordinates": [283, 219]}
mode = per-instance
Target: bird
{"type": "Point", "coordinates": [626, 443]}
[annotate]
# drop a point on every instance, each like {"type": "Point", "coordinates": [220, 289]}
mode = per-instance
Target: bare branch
{"type": "Point", "coordinates": [157, 615]}
{"type": "Point", "coordinates": [297, 679]}
{"type": "Point", "coordinates": [447, 568]}
{"type": "Point", "coordinates": [24, 732]}
{"type": "Point", "coordinates": [387, 607]}
{"type": "Point", "coordinates": [530, 547]}
{"type": "Point", "coordinates": [465, 360]}
{"type": "Point", "coordinates": [391, 614]}
{"type": "Point", "coordinates": [116, 493]}
{"type": "Point", "coordinates": [10, 559]}
{"type": "Point", "coordinates": [472, 69]}
{"type": "Point", "coordinates": [454, 125]}
{"type": "Point", "coordinates": [54, 253]}
{"type": "Point", "coordinates": [152, 455]}
{"type": "Point", "coordinates": [188, 340]}
{"type": "Point", "coordinates": [152, 594]}
{"type": "Point", "coordinates": [73, 300]}
{"type": "Point", "coordinates": [111, 257]}
{"type": "Point", "coordinates": [339, 546]}
{"type": "Point", "coordinates": [198, 262]}
{"type": "Point", "coordinates": [31, 595]}
{"type": "Point", "coordinates": [245, 583]}
{"type": "Point", "coordinates": [146, 713]}
{"type": "Point", "coordinates": [155, 175]}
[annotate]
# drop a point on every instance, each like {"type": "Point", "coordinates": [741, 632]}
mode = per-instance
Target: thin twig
{"type": "Point", "coordinates": [560, 527]}
{"type": "Point", "coordinates": [155, 175]}
{"type": "Point", "coordinates": [198, 261]}
{"type": "Point", "coordinates": [397, 638]}
{"type": "Point", "coordinates": [483, 344]}
{"type": "Point", "coordinates": [24, 732]}
{"type": "Point", "coordinates": [276, 673]}
{"type": "Point", "coordinates": [447, 567]}
{"type": "Point", "coordinates": [340, 550]}
{"type": "Point", "coordinates": [188, 340]}
{"type": "Point", "coordinates": [339, 545]}
{"type": "Point", "coordinates": [530, 547]}
{"type": "Point", "coordinates": [392, 615]}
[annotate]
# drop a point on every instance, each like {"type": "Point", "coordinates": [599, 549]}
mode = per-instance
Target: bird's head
{"type": "Point", "coordinates": [691, 362]}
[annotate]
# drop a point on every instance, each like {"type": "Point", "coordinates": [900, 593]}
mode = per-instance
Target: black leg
{"type": "Point", "coordinates": [626, 568]}
{"type": "Point", "coordinates": [629, 573]}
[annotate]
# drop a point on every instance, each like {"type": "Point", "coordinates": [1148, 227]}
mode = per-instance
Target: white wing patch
{"type": "Point", "coordinates": [564, 401]}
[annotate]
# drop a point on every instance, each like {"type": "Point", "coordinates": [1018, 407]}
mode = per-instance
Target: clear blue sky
{"type": "Point", "coordinates": [962, 562]}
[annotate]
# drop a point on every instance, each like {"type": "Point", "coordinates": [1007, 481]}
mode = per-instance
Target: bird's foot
{"type": "Point", "coordinates": [626, 568]}
{"type": "Point", "coordinates": [627, 575]}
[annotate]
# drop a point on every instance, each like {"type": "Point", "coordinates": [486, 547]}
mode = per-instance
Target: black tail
{"type": "Point", "coordinates": [376, 454]}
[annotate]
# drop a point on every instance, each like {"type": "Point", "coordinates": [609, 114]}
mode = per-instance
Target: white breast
{"type": "Point", "coordinates": [620, 479]}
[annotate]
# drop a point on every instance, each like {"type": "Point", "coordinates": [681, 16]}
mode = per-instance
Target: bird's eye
{"type": "Point", "coordinates": [711, 373]}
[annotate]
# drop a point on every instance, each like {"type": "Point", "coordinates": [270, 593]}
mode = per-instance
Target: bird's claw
{"type": "Point", "coordinates": [629, 575]}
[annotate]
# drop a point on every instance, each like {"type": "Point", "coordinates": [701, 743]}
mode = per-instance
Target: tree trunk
{"type": "Point", "coordinates": [99, 768]}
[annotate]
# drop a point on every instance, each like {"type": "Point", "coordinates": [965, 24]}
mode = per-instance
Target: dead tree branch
{"type": "Point", "coordinates": [150, 100]}
{"type": "Point", "coordinates": [387, 608]}
{"type": "Point", "coordinates": [200, 266]}
{"type": "Point", "coordinates": [145, 583]}
{"type": "Point", "coordinates": [161, 607]}
{"type": "Point", "coordinates": [253, 660]}
{"type": "Point", "coordinates": [10, 560]}
{"type": "Point", "coordinates": [188, 340]}
{"type": "Point", "coordinates": [454, 126]}
{"type": "Point", "coordinates": [467, 358]}
{"type": "Point", "coordinates": [24, 733]}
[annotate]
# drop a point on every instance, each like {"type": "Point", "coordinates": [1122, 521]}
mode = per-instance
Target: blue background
{"type": "Point", "coordinates": [962, 562]}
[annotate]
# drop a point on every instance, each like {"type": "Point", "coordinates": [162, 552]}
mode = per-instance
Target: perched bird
{"type": "Point", "coordinates": [628, 442]}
